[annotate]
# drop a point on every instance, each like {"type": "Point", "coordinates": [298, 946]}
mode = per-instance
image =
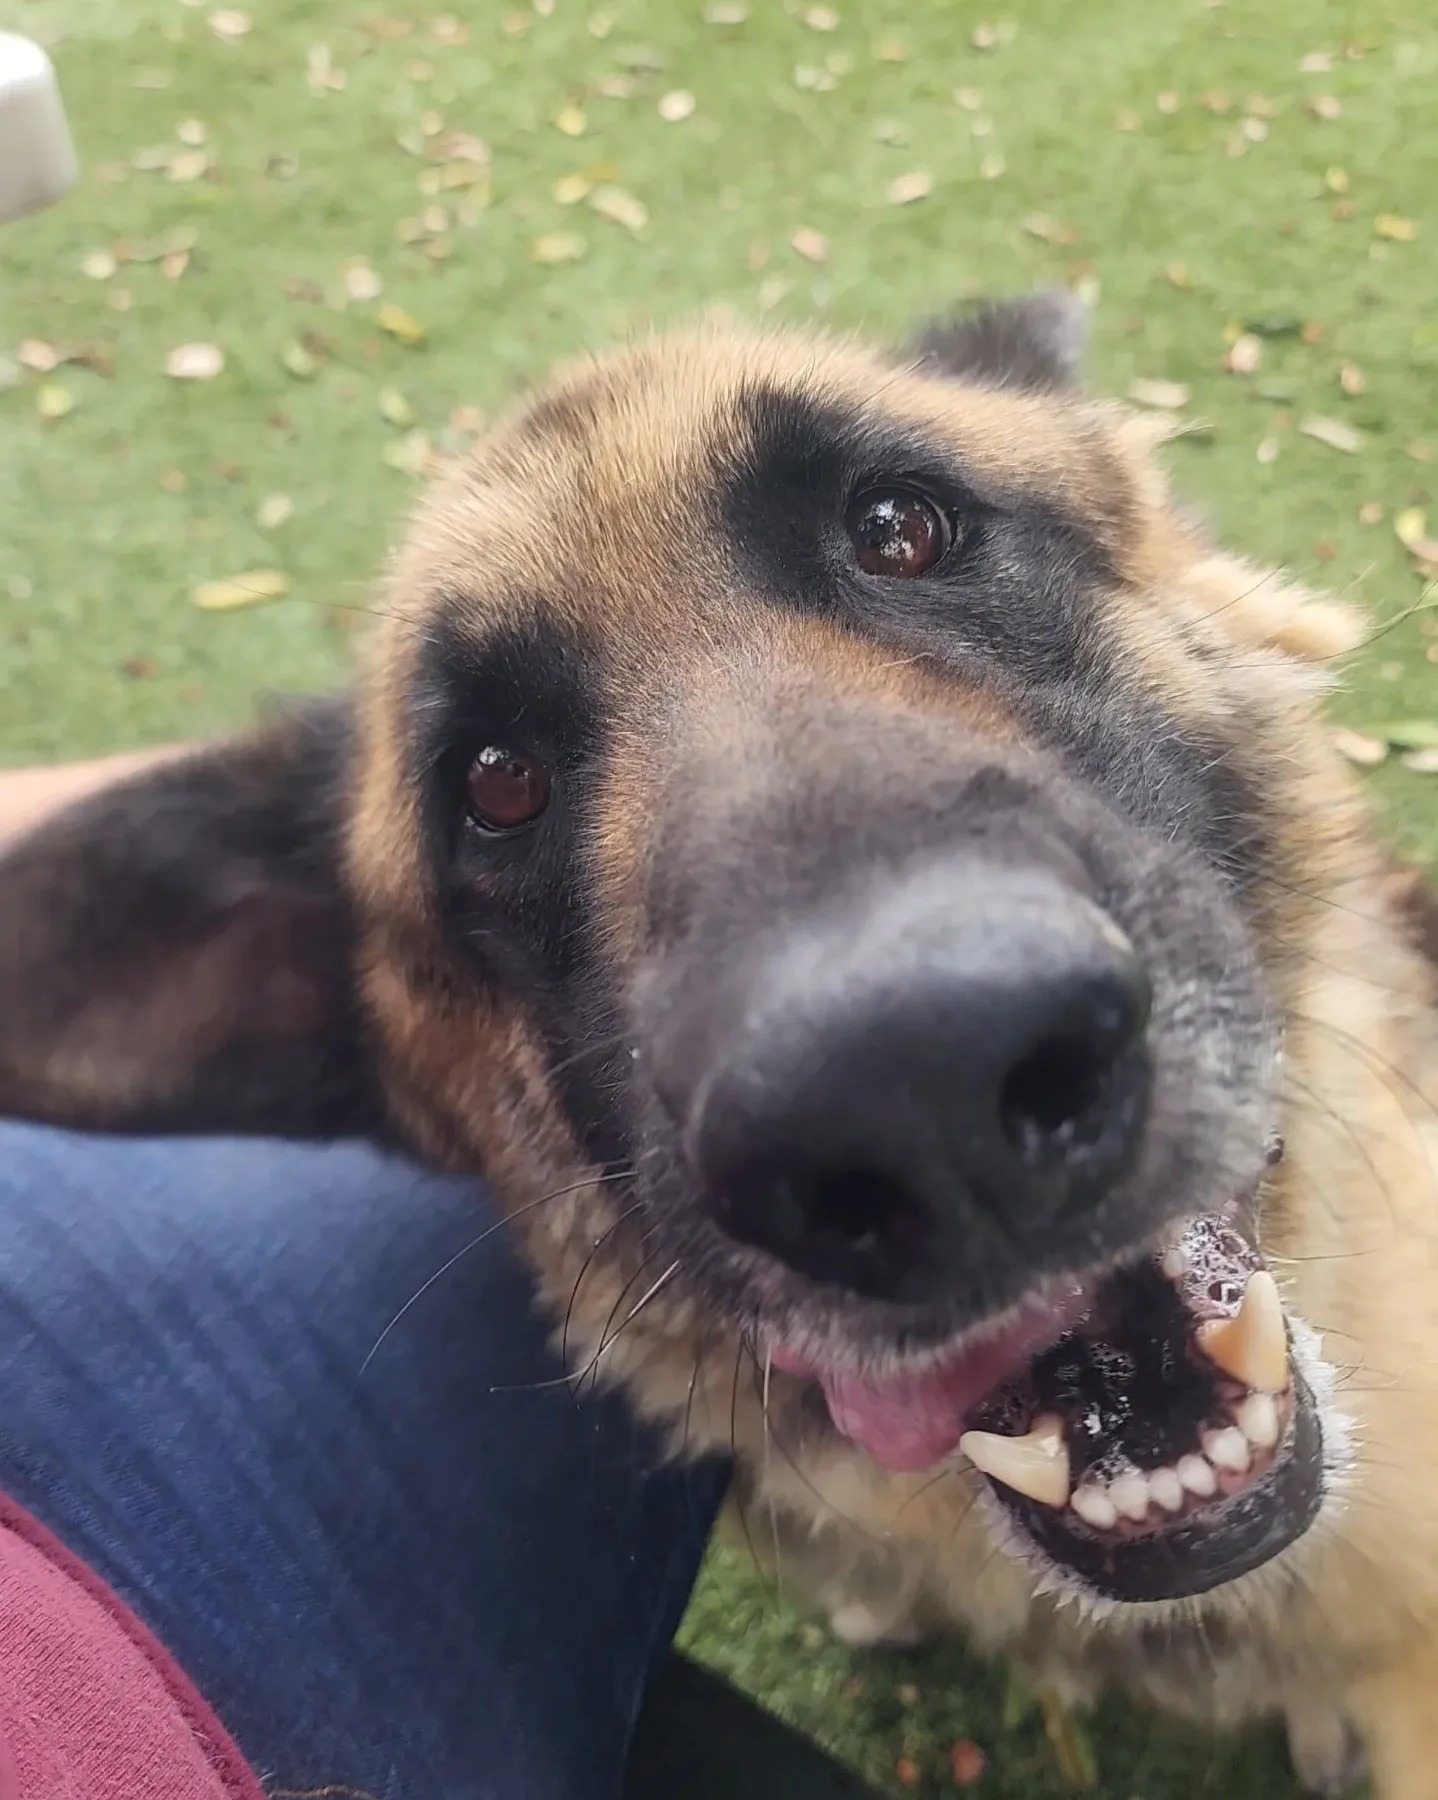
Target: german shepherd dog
{"type": "Point", "coordinates": [865, 878]}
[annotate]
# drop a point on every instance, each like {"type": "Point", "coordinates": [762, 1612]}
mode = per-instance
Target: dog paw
{"type": "Point", "coordinates": [1327, 1753]}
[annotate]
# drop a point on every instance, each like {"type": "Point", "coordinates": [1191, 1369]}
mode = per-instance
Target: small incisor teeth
{"type": "Point", "coordinates": [1036, 1465]}
{"type": "Point", "coordinates": [1196, 1474]}
{"type": "Point", "coordinates": [1252, 1346]}
{"type": "Point", "coordinates": [1130, 1495]}
{"type": "Point", "coordinates": [1167, 1489]}
{"type": "Point", "coordinates": [1094, 1507]}
{"type": "Point", "coordinates": [1228, 1449]}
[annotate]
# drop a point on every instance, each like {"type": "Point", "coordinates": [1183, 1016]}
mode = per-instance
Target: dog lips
{"type": "Point", "coordinates": [915, 1418]}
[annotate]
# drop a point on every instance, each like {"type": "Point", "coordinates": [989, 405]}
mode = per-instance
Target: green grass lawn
{"type": "Point", "coordinates": [1200, 167]}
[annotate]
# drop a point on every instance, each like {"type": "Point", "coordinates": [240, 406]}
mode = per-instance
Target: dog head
{"type": "Point", "coordinates": [829, 823]}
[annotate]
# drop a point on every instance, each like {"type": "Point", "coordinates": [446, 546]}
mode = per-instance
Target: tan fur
{"type": "Point", "coordinates": [585, 504]}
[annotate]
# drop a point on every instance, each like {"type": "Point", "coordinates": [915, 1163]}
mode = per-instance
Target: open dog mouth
{"type": "Point", "coordinates": [1147, 1431]}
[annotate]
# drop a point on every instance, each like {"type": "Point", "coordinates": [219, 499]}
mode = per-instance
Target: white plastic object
{"type": "Point", "coordinates": [37, 156]}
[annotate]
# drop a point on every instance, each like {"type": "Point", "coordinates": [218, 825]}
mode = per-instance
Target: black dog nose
{"type": "Point", "coordinates": [962, 1061]}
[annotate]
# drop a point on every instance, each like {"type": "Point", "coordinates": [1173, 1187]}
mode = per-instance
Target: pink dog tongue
{"type": "Point", "coordinates": [916, 1419]}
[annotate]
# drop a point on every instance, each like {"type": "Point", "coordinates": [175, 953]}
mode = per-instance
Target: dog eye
{"type": "Point", "coordinates": [897, 532]}
{"type": "Point", "coordinates": [505, 791]}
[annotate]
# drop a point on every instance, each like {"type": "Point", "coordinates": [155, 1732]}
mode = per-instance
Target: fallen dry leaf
{"type": "Point", "coordinates": [273, 511]}
{"type": "Point", "coordinates": [571, 121]}
{"type": "Point", "coordinates": [821, 18]}
{"type": "Point", "coordinates": [992, 166]}
{"type": "Point", "coordinates": [394, 407]}
{"type": "Point", "coordinates": [903, 190]}
{"type": "Point", "coordinates": [99, 265]}
{"type": "Point", "coordinates": [252, 588]}
{"type": "Point", "coordinates": [1410, 525]}
{"type": "Point", "coordinates": [1351, 379]}
{"type": "Point", "coordinates": [1315, 62]}
{"type": "Point", "coordinates": [676, 106]}
{"type": "Point", "coordinates": [1421, 762]}
{"type": "Point", "coordinates": [409, 454]}
{"type": "Point", "coordinates": [173, 266]}
{"type": "Point", "coordinates": [1336, 180]}
{"type": "Point", "coordinates": [360, 282]}
{"type": "Point", "coordinates": [37, 354]}
{"type": "Point", "coordinates": [813, 246]}
{"type": "Point", "coordinates": [1049, 230]}
{"type": "Point", "coordinates": [188, 165]}
{"type": "Point", "coordinates": [230, 25]}
{"type": "Point", "coordinates": [1367, 752]}
{"type": "Point", "coordinates": [1168, 396]}
{"type": "Point", "coordinates": [1392, 226]}
{"type": "Point", "coordinates": [194, 362]}
{"type": "Point", "coordinates": [619, 206]}
{"type": "Point", "coordinates": [725, 12]}
{"type": "Point", "coordinates": [1370, 512]}
{"type": "Point", "coordinates": [1326, 106]}
{"type": "Point", "coordinates": [557, 247]}
{"type": "Point", "coordinates": [992, 37]}
{"type": "Point", "coordinates": [400, 325]}
{"type": "Point", "coordinates": [906, 1772]}
{"type": "Point", "coordinates": [52, 401]}
{"type": "Point", "coordinates": [1245, 353]}
{"type": "Point", "coordinates": [1267, 451]}
{"type": "Point", "coordinates": [891, 50]}
{"type": "Point", "coordinates": [191, 131]}
{"type": "Point", "coordinates": [1176, 274]}
{"type": "Point", "coordinates": [1334, 433]}
{"type": "Point", "coordinates": [298, 361]}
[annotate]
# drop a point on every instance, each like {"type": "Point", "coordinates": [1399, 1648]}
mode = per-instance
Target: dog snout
{"type": "Point", "coordinates": [906, 1081]}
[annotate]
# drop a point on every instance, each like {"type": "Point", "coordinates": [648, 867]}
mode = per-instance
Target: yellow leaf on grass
{"type": "Point", "coordinates": [253, 588]}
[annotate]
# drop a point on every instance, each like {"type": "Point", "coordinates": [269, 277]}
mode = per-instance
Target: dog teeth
{"type": "Point", "coordinates": [1167, 1489]}
{"type": "Point", "coordinates": [1129, 1493]}
{"type": "Point", "coordinates": [1197, 1476]}
{"type": "Point", "coordinates": [1035, 1465]}
{"type": "Point", "coordinates": [1257, 1418]}
{"type": "Point", "coordinates": [1252, 1346]}
{"type": "Point", "coordinates": [1094, 1507]}
{"type": "Point", "coordinates": [1228, 1449]}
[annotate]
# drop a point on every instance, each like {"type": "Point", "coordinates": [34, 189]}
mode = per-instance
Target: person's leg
{"type": "Point", "coordinates": [395, 1561]}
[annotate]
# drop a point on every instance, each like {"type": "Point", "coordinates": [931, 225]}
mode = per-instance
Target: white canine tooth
{"type": "Point", "coordinates": [1228, 1449]}
{"type": "Point", "coordinates": [1196, 1474]}
{"type": "Point", "coordinates": [1175, 1261]}
{"type": "Point", "coordinates": [1036, 1464]}
{"type": "Point", "coordinates": [1257, 1418]}
{"type": "Point", "coordinates": [1167, 1489]}
{"type": "Point", "coordinates": [1094, 1507]}
{"type": "Point", "coordinates": [1130, 1495]}
{"type": "Point", "coordinates": [1252, 1346]}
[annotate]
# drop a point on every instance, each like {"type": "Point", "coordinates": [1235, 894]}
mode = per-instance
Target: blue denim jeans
{"type": "Point", "coordinates": [414, 1571]}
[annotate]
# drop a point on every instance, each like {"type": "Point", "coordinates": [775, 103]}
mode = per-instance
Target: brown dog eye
{"type": "Point", "coordinates": [896, 532]}
{"type": "Point", "coordinates": [506, 790]}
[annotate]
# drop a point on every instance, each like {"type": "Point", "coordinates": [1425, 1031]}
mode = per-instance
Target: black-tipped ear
{"type": "Point", "coordinates": [176, 952]}
{"type": "Point", "coordinates": [1036, 341]}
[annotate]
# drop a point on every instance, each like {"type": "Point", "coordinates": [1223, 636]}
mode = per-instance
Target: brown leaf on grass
{"type": "Point", "coordinates": [906, 1772]}
{"type": "Point", "coordinates": [360, 282]}
{"type": "Point", "coordinates": [1399, 230]}
{"type": "Point", "coordinates": [676, 106]}
{"type": "Point", "coordinates": [53, 402]}
{"type": "Point", "coordinates": [229, 24]}
{"type": "Point", "coordinates": [254, 588]}
{"type": "Point", "coordinates": [1325, 106]}
{"type": "Point", "coordinates": [274, 511]}
{"type": "Point", "coordinates": [1048, 229]}
{"type": "Point", "coordinates": [1245, 353]}
{"type": "Point", "coordinates": [1359, 748]}
{"type": "Point", "coordinates": [194, 362]}
{"type": "Point", "coordinates": [1351, 379]}
{"type": "Point", "coordinates": [1334, 433]}
{"type": "Point", "coordinates": [173, 266]}
{"type": "Point", "coordinates": [395, 408]}
{"type": "Point", "coordinates": [1370, 512]}
{"type": "Point", "coordinates": [620, 207]}
{"type": "Point", "coordinates": [812, 245]}
{"type": "Point", "coordinates": [903, 190]}
{"type": "Point", "coordinates": [409, 454]}
{"type": "Point", "coordinates": [186, 166]}
{"type": "Point", "coordinates": [1167, 396]}
{"type": "Point", "coordinates": [1315, 62]}
{"type": "Point", "coordinates": [402, 326]}
{"type": "Point", "coordinates": [553, 247]}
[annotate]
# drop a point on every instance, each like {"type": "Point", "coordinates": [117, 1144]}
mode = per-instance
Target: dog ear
{"type": "Point", "coordinates": [176, 952]}
{"type": "Point", "coordinates": [1036, 341]}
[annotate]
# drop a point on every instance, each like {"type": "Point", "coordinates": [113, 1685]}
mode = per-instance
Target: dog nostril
{"type": "Point", "coordinates": [1062, 1095]}
{"type": "Point", "coordinates": [1046, 1101]}
{"type": "Point", "coordinates": [865, 1213]}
